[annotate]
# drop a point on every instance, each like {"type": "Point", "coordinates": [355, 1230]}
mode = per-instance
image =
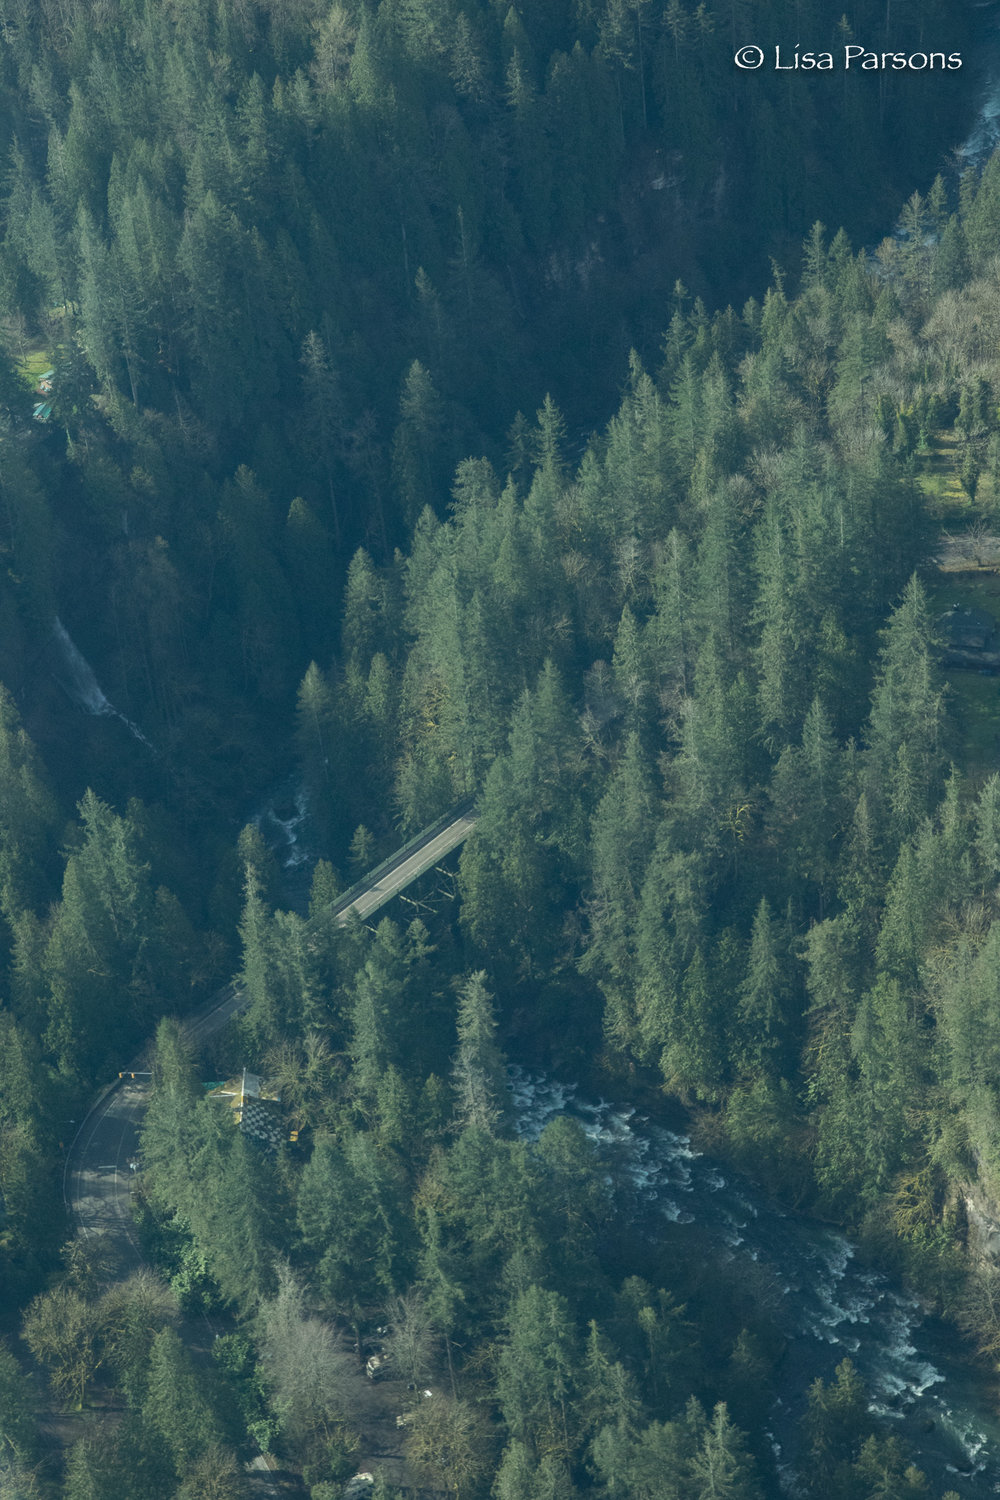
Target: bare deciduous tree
{"type": "Point", "coordinates": [979, 1315]}
{"type": "Point", "coordinates": [62, 1331]}
{"type": "Point", "coordinates": [311, 1377]}
{"type": "Point", "coordinates": [448, 1443]}
{"type": "Point", "coordinates": [412, 1336]}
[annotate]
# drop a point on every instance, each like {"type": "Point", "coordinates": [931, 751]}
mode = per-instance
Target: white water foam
{"type": "Point", "coordinates": [289, 829]}
{"type": "Point", "coordinates": [84, 688]}
{"type": "Point", "coordinates": [984, 136]}
{"type": "Point", "coordinates": [824, 1295]}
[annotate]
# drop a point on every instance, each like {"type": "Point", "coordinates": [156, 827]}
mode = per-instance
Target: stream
{"type": "Point", "coordinates": [283, 819]}
{"type": "Point", "coordinates": [827, 1304]}
{"type": "Point", "coordinates": [80, 683]}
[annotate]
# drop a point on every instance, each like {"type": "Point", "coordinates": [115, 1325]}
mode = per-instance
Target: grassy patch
{"type": "Point", "coordinates": [970, 590]}
{"type": "Point", "coordinates": [34, 363]}
{"type": "Point", "coordinates": [938, 477]}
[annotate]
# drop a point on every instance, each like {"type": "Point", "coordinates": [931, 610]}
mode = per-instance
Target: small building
{"type": "Point", "coordinates": [968, 629]}
{"type": "Point", "coordinates": [42, 410]}
{"type": "Point", "coordinates": [256, 1107]}
{"type": "Point", "coordinates": [969, 638]}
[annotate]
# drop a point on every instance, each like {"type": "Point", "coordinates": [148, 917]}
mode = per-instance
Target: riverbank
{"type": "Point", "coordinates": [824, 1299]}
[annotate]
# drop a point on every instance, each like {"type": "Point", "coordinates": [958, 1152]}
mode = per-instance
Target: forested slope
{"type": "Point", "coordinates": [701, 693]}
{"type": "Point", "coordinates": [292, 266]}
{"type": "Point", "coordinates": [292, 262]}
{"type": "Point", "coordinates": [719, 843]}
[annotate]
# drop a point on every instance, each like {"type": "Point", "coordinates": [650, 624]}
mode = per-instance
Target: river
{"type": "Point", "coordinates": [283, 819]}
{"type": "Point", "coordinates": [826, 1302]}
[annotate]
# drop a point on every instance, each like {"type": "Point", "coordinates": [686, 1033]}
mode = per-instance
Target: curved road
{"type": "Point", "coordinates": [97, 1175]}
{"type": "Point", "coordinates": [96, 1178]}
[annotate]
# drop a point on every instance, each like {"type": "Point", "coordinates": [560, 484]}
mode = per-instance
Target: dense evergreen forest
{"type": "Point", "coordinates": [298, 272]}
{"type": "Point", "coordinates": [293, 262]}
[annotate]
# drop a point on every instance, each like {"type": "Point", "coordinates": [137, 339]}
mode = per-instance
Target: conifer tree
{"type": "Point", "coordinates": [417, 449]}
{"type": "Point", "coordinates": [762, 1000]}
{"type": "Point", "coordinates": [176, 1405]}
{"type": "Point", "coordinates": [907, 704]}
{"type": "Point", "coordinates": [623, 830]}
{"type": "Point", "coordinates": [987, 829]}
{"type": "Point", "coordinates": [318, 736]}
{"type": "Point", "coordinates": [722, 1469]}
{"type": "Point", "coordinates": [479, 1072]}
{"type": "Point", "coordinates": [536, 1379]}
{"type": "Point", "coordinates": [27, 810]}
{"type": "Point", "coordinates": [257, 969]}
{"type": "Point", "coordinates": [631, 671]}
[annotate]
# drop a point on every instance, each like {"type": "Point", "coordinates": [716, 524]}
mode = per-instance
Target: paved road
{"type": "Point", "coordinates": [96, 1180]}
{"type": "Point", "coordinates": [393, 876]}
{"type": "Point", "coordinates": [97, 1176]}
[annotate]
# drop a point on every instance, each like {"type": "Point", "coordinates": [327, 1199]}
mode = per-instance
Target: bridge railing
{"type": "Point", "coordinates": [394, 860]}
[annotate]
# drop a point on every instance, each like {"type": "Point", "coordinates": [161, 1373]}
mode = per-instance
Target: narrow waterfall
{"type": "Point", "coordinates": [83, 687]}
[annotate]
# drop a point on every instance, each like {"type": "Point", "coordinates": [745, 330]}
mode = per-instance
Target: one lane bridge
{"type": "Point", "coordinates": [97, 1171]}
